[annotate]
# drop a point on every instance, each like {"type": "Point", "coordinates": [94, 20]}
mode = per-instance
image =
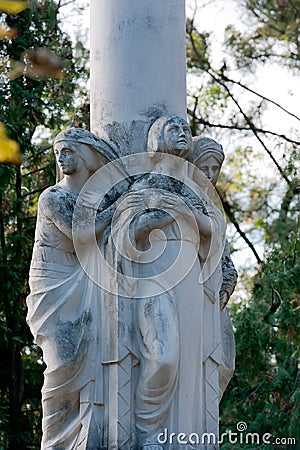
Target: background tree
{"type": "Point", "coordinates": [37, 100]}
{"type": "Point", "coordinates": [260, 189]}
{"type": "Point", "coordinates": [274, 34]}
{"type": "Point", "coordinates": [262, 204]}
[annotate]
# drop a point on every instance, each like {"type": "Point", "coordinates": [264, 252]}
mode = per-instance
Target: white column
{"type": "Point", "coordinates": [138, 70]}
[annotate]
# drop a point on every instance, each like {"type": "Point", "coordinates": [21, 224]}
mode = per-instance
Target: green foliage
{"type": "Point", "coordinates": [31, 109]}
{"type": "Point", "coordinates": [200, 48]}
{"type": "Point", "coordinates": [259, 187]}
{"type": "Point", "coordinates": [211, 98]}
{"type": "Point", "coordinates": [274, 35]}
{"type": "Point", "coordinates": [265, 390]}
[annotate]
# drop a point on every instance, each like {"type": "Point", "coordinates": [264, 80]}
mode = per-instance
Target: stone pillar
{"type": "Point", "coordinates": [137, 74]}
{"type": "Point", "coordinates": [138, 69]}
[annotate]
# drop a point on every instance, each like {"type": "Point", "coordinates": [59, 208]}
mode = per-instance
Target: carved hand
{"type": "Point", "coordinates": [127, 201]}
{"type": "Point", "coordinates": [224, 298]}
{"type": "Point", "coordinates": [174, 203]}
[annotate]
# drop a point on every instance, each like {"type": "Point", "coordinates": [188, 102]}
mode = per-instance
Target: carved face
{"type": "Point", "coordinates": [67, 157]}
{"type": "Point", "coordinates": [210, 166]}
{"type": "Point", "coordinates": [177, 138]}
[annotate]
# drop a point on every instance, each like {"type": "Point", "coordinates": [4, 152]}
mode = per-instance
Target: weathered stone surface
{"type": "Point", "coordinates": [64, 304]}
{"type": "Point", "coordinates": [208, 156]}
{"type": "Point", "coordinates": [123, 368]}
{"type": "Point", "coordinates": [137, 68]}
{"type": "Point", "coordinates": [131, 272]}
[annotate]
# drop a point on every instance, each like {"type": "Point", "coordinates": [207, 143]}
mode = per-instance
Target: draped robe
{"type": "Point", "coordinates": [178, 339]}
{"type": "Point", "coordinates": [64, 309]}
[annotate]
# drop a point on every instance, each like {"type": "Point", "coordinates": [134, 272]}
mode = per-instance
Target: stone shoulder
{"type": "Point", "coordinates": [57, 201]}
{"type": "Point", "coordinates": [48, 194]}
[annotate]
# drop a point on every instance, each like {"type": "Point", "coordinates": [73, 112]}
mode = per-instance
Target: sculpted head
{"type": "Point", "coordinates": [170, 134]}
{"type": "Point", "coordinates": [75, 148]}
{"type": "Point", "coordinates": [208, 156]}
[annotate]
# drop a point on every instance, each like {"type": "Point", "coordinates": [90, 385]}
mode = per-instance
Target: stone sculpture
{"type": "Point", "coordinates": [208, 156]}
{"type": "Point", "coordinates": [62, 305]}
{"type": "Point", "coordinates": [151, 356]}
{"type": "Point", "coordinates": [169, 325]}
{"type": "Point", "coordinates": [138, 74]}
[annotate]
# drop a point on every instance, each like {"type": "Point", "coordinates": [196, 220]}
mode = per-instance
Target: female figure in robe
{"type": "Point", "coordinates": [208, 156]}
{"type": "Point", "coordinates": [170, 303]}
{"type": "Point", "coordinates": [63, 305]}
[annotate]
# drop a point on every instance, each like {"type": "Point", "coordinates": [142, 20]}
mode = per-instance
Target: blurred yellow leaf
{"type": "Point", "coordinates": [13, 7]}
{"type": "Point", "coordinates": [41, 62]}
{"type": "Point", "coordinates": [9, 149]}
{"type": "Point", "coordinates": [16, 69]}
{"type": "Point", "coordinates": [7, 33]}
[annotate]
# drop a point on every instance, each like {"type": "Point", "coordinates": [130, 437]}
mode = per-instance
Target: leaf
{"type": "Point", "coordinates": [41, 62]}
{"type": "Point", "coordinates": [259, 223]}
{"type": "Point", "coordinates": [13, 7]}
{"type": "Point", "coordinates": [7, 33]}
{"type": "Point", "coordinates": [9, 149]}
{"type": "Point", "coordinates": [17, 69]}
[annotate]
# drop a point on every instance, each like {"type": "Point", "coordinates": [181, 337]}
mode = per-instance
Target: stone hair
{"type": "Point", "coordinates": [155, 141]}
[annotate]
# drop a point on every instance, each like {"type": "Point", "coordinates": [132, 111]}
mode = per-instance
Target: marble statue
{"type": "Point", "coordinates": [182, 231]}
{"type": "Point", "coordinates": [63, 302]}
{"type": "Point", "coordinates": [167, 349]}
{"type": "Point", "coordinates": [145, 343]}
{"type": "Point", "coordinates": [208, 156]}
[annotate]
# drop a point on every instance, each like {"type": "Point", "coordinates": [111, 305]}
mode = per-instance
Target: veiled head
{"type": "Point", "coordinates": [80, 147]}
{"type": "Point", "coordinates": [208, 156]}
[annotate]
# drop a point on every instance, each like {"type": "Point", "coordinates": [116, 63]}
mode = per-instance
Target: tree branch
{"type": "Point", "coordinates": [247, 119]}
{"type": "Point", "coordinates": [225, 78]}
{"type": "Point", "coordinates": [193, 114]}
{"type": "Point", "coordinates": [35, 191]}
{"type": "Point", "coordinates": [34, 171]}
{"type": "Point", "coordinates": [237, 127]}
{"type": "Point", "coordinates": [2, 232]}
{"type": "Point", "coordinates": [228, 210]}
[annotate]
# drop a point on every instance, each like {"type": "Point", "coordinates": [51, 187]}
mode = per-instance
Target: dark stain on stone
{"type": "Point", "coordinates": [72, 337]}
